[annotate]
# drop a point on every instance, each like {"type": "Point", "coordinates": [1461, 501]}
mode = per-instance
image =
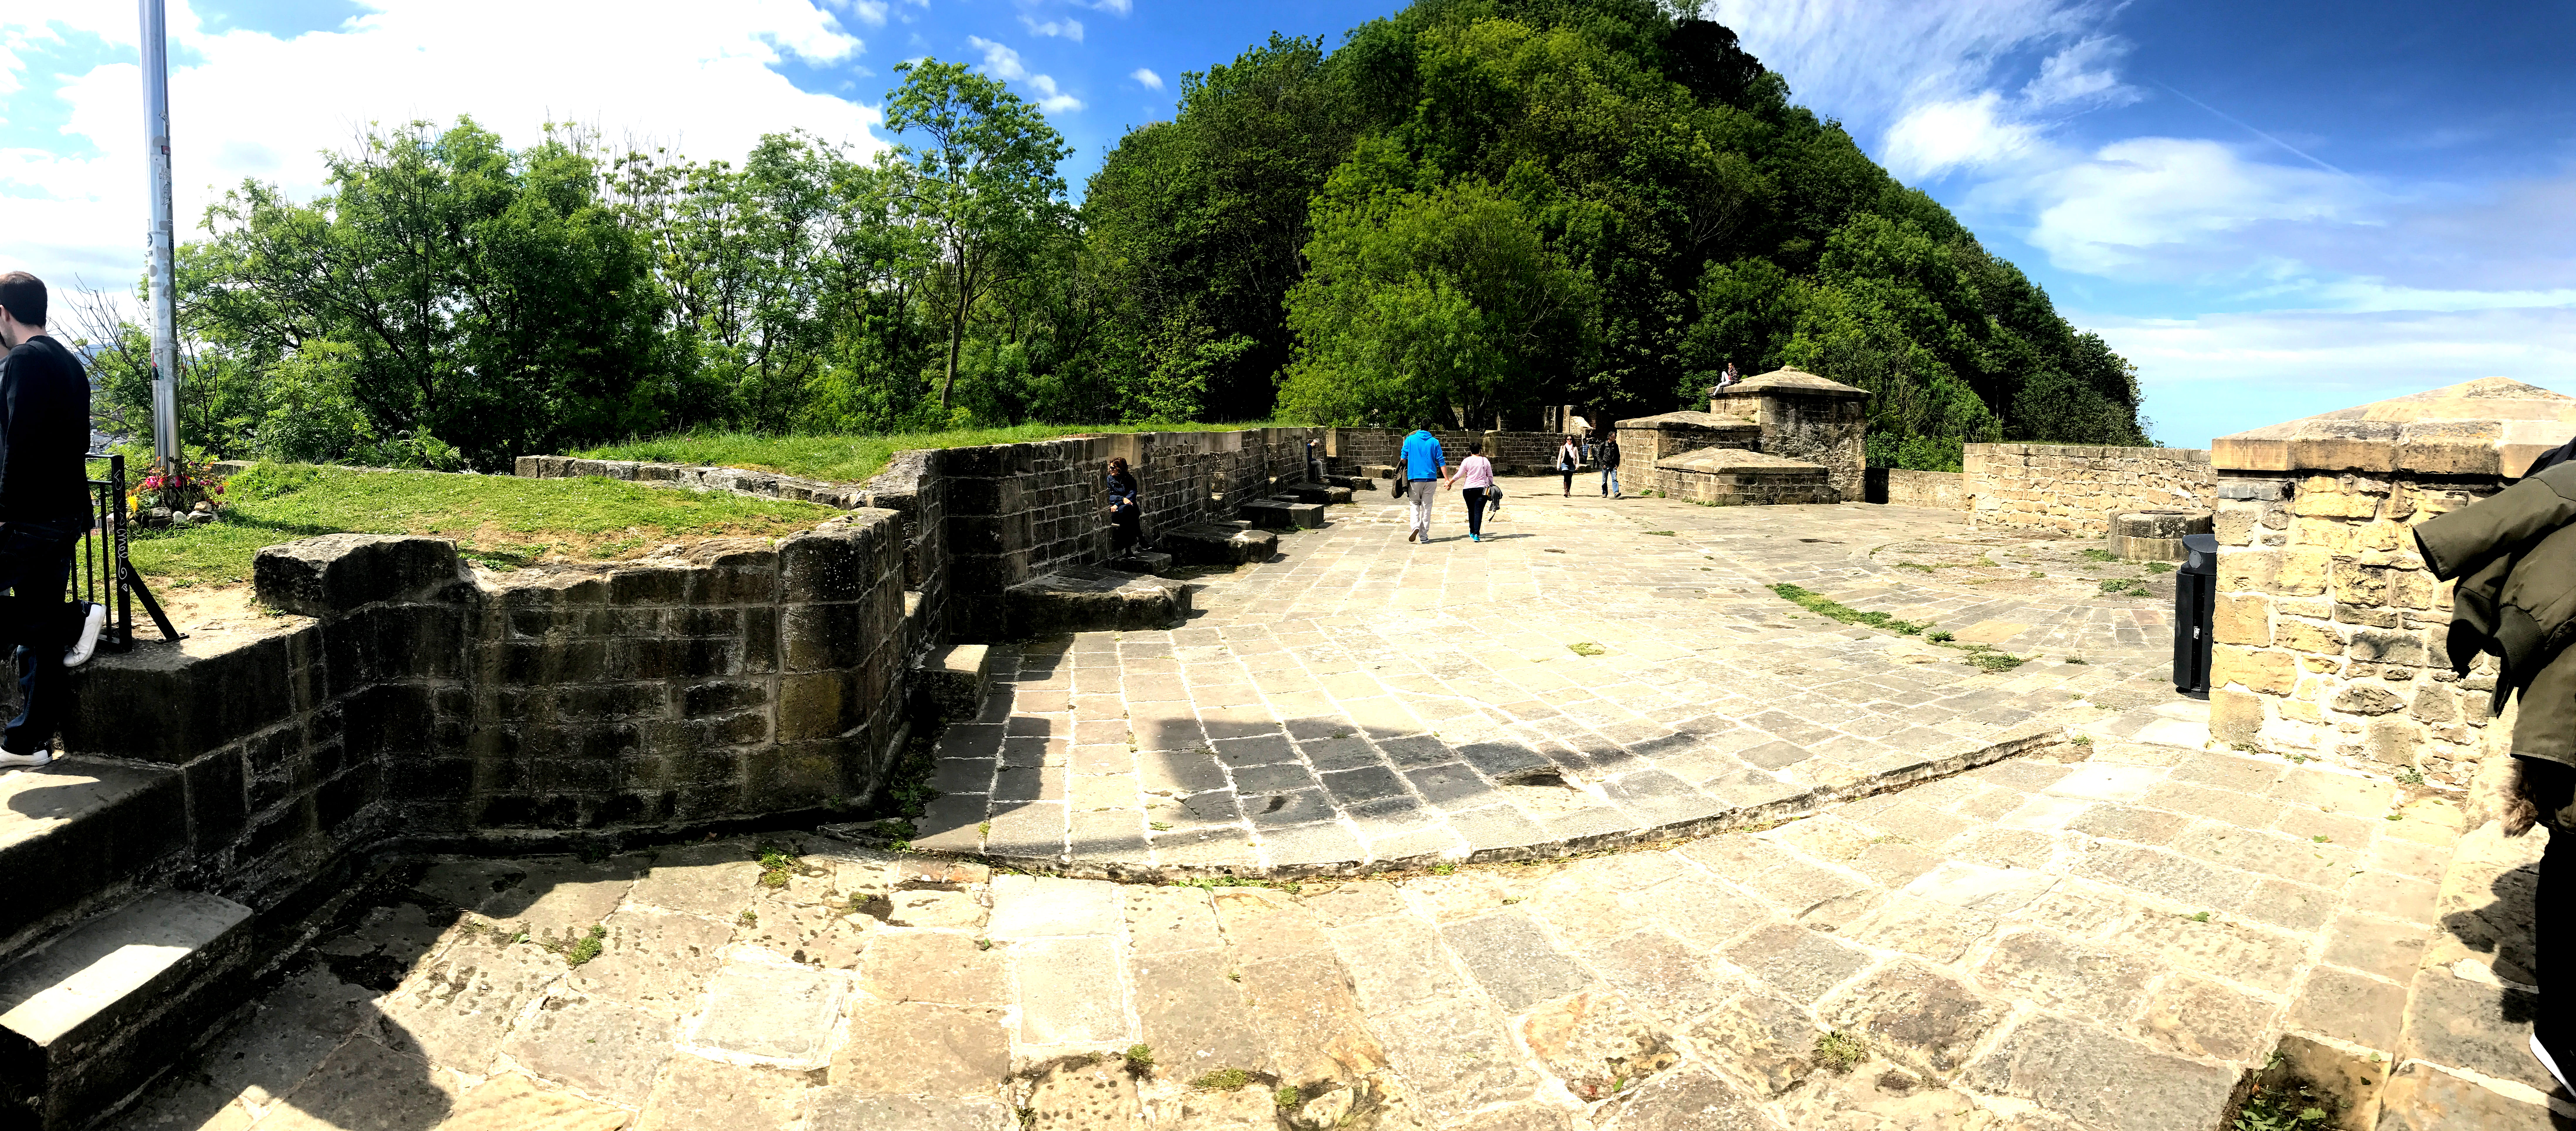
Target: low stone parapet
{"type": "Point", "coordinates": [1218, 543]}
{"type": "Point", "coordinates": [1726, 477]}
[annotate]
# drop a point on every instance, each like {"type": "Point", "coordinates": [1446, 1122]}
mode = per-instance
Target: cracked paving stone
{"type": "Point", "coordinates": [1512, 958]}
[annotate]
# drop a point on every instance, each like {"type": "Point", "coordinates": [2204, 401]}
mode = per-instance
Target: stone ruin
{"type": "Point", "coordinates": [406, 704]}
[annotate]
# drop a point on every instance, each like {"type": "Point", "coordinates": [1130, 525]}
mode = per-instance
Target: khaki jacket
{"type": "Point", "coordinates": [2514, 556]}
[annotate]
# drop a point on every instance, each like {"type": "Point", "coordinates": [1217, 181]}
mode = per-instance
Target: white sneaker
{"type": "Point", "coordinates": [2542, 1052]}
{"type": "Point", "coordinates": [44, 757]}
{"type": "Point", "coordinates": [92, 623]}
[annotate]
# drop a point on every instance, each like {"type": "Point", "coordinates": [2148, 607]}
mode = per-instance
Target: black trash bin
{"type": "Point", "coordinates": [2195, 606]}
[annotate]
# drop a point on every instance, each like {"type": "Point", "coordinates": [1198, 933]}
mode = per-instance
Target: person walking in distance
{"type": "Point", "coordinates": [1314, 460]}
{"type": "Point", "coordinates": [1568, 457]}
{"type": "Point", "coordinates": [44, 510]}
{"type": "Point", "coordinates": [1610, 468]}
{"type": "Point", "coordinates": [1424, 470]}
{"type": "Point", "coordinates": [1475, 482]}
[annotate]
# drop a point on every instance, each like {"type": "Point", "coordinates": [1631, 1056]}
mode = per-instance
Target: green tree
{"type": "Point", "coordinates": [984, 187]}
{"type": "Point", "coordinates": [1425, 303]}
{"type": "Point", "coordinates": [487, 300]}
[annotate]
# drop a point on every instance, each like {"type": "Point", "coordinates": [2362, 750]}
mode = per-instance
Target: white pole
{"type": "Point", "coordinates": [165, 297]}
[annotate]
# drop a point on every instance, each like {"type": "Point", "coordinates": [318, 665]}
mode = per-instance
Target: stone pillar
{"type": "Point", "coordinates": [2330, 632]}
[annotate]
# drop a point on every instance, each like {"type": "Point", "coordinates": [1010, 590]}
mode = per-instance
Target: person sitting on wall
{"type": "Point", "coordinates": [1126, 507]}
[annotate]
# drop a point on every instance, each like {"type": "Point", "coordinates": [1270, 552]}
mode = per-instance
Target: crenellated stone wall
{"type": "Point", "coordinates": [2074, 489]}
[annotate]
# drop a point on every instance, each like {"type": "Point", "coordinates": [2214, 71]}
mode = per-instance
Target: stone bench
{"type": "Point", "coordinates": [1092, 599]}
{"type": "Point", "coordinates": [951, 683]}
{"type": "Point", "coordinates": [1282, 514]}
{"type": "Point", "coordinates": [1218, 543]}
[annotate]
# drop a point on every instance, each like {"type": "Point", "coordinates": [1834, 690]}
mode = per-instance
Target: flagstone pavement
{"type": "Point", "coordinates": [2114, 925]}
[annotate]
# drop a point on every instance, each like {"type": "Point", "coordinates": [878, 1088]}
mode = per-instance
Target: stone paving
{"type": "Point", "coordinates": [2116, 926]}
{"type": "Point", "coordinates": [1597, 673]}
{"type": "Point", "coordinates": [2105, 935]}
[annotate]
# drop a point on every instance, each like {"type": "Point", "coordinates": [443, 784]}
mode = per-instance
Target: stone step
{"type": "Point", "coordinates": [75, 834]}
{"type": "Point", "coordinates": [1318, 493]}
{"type": "Point", "coordinates": [1218, 543]}
{"type": "Point", "coordinates": [1091, 599]}
{"type": "Point", "coordinates": [1141, 561]}
{"type": "Point", "coordinates": [1282, 514]}
{"type": "Point", "coordinates": [93, 1014]}
{"type": "Point", "coordinates": [953, 680]}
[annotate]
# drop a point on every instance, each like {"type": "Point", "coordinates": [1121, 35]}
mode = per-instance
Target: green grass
{"type": "Point", "coordinates": [1840, 1052]}
{"type": "Point", "coordinates": [1587, 648]}
{"type": "Point", "coordinates": [2099, 556]}
{"type": "Point", "coordinates": [2160, 567]}
{"type": "Point", "coordinates": [2118, 587]}
{"type": "Point", "coordinates": [850, 458]}
{"type": "Point", "coordinates": [497, 521]}
{"type": "Point", "coordinates": [1223, 1080]}
{"type": "Point", "coordinates": [587, 948]}
{"type": "Point", "coordinates": [1822, 605]}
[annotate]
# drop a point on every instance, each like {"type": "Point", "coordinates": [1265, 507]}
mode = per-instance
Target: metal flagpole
{"type": "Point", "coordinates": [165, 298]}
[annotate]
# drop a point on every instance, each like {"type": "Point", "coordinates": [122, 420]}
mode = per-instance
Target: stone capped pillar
{"type": "Point", "coordinates": [2329, 632]}
{"type": "Point", "coordinates": [1805, 417]}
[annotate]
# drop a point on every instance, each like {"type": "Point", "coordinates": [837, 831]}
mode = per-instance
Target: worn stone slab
{"type": "Point", "coordinates": [1193, 1014]}
{"type": "Point", "coordinates": [1684, 1100]}
{"type": "Point", "coordinates": [1918, 1015]}
{"type": "Point", "coordinates": [654, 958]}
{"type": "Point", "coordinates": [457, 1010]}
{"type": "Point", "coordinates": [1028, 907]}
{"type": "Point", "coordinates": [838, 1108]}
{"type": "Point", "coordinates": [761, 1008]}
{"type": "Point", "coordinates": [695, 1094]}
{"type": "Point", "coordinates": [605, 1047]}
{"type": "Point", "coordinates": [1512, 958]}
{"type": "Point", "coordinates": [716, 879]}
{"type": "Point", "coordinates": [1070, 992]}
{"type": "Point", "coordinates": [2421, 1097]}
{"type": "Point", "coordinates": [922, 1050]}
{"type": "Point", "coordinates": [364, 1083]}
{"type": "Point", "coordinates": [1595, 1044]}
{"type": "Point", "coordinates": [1797, 961]}
{"type": "Point", "coordinates": [1455, 1057]}
{"type": "Point", "coordinates": [1303, 1009]}
{"type": "Point", "coordinates": [2100, 1080]}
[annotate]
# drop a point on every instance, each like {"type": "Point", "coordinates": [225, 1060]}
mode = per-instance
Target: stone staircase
{"type": "Point", "coordinates": [105, 967]}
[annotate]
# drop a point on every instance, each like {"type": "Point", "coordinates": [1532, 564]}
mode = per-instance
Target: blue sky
{"type": "Point", "coordinates": [2273, 209]}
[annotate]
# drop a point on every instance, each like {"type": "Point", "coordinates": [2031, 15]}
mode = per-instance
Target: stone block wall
{"type": "Point", "coordinates": [2075, 489]}
{"type": "Point", "coordinates": [414, 703]}
{"type": "Point", "coordinates": [1528, 453]}
{"type": "Point", "coordinates": [1648, 440]}
{"type": "Point", "coordinates": [1934, 490]}
{"type": "Point", "coordinates": [1749, 479]}
{"type": "Point", "coordinates": [1822, 430]}
{"type": "Point", "coordinates": [2329, 632]}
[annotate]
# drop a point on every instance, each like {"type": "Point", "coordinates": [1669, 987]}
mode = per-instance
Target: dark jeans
{"type": "Point", "coordinates": [2552, 786]}
{"type": "Point", "coordinates": [1126, 527]}
{"type": "Point", "coordinates": [1475, 510]}
{"type": "Point", "coordinates": [1569, 481]}
{"type": "Point", "coordinates": [36, 565]}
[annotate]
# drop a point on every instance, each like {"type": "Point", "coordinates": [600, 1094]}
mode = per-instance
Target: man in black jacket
{"type": "Point", "coordinates": [44, 510]}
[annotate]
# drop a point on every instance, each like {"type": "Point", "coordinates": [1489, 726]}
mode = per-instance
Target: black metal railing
{"type": "Point", "coordinates": [102, 574]}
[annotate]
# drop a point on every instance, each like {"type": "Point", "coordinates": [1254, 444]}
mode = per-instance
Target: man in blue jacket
{"type": "Point", "coordinates": [1424, 471]}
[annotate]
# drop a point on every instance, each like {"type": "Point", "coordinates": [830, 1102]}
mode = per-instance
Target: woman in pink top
{"type": "Point", "coordinates": [1475, 480]}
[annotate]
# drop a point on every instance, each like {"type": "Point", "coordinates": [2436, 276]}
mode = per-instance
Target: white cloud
{"type": "Point", "coordinates": [1145, 77]}
{"type": "Point", "coordinates": [1067, 28]}
{"type": "Point", "coordinates": [254, 104]}
{"type": "Point", "coordinates": [1937, 137]}
{"type": "Point", "coordinates": [2164, 202]}
{"type": "Point", "coordinates": [1114, 7]}
{"type": "Point", "coordinates": [1004, 63]}
{"type": "Point", "coordinates": [869, 12]}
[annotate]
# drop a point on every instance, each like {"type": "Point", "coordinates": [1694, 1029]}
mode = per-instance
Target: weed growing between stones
{"type": "Point", "coordinates": [1939, 636]}
{"type": "Point", "coordinates": [2124, 587]}
{"type": "Point", "coordinates": [748, 918]}
{"type": "Point", "coordinates": [1211, 883]}
{"type": "Point", "coordinates": [587, 948]}
{"type": "Point", "coordinates": [1287, 1097]}
{"type": "Point", "coordinates": [1839, 1052]}
{"type": "Point", "coordinates": [1586, 648]}
{"type": "Point", "coordinates": [775, 866]}
{"type": "Point", "coordinates": [1665, 533]}
{"type": "Point", "coordinates": [1140, 1058]}
{"type": "Point", "coordinates": [1914, 566]}
{"type": "Point", "coordinates": [2160, 567]}
{"type": "Point", "coordinates": [2410, 776]}
{"type": "Point", "coordinates": [2098, 555]}
{"type": "Point", "coordinates": [1223, 1080]}
{"type": "Point", "coordinates": [1824, 606]}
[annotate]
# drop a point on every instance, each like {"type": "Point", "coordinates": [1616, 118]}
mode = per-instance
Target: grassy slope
{"type": "Point", "coordinates": [847, 458]}
{"type": "Point", "coordinates": [498, 521]}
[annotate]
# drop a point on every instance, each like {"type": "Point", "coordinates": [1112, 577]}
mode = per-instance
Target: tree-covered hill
{"type": "Point", "coordinates": [1496, 205]}
{"type": "Point", "coordinates": [1472, 207]}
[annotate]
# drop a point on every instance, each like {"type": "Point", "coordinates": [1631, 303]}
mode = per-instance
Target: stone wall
{"type": "Point", "coordinates": [414, 701]}
{"type": "Point", "coordinates": [1825, 430]}
{"type": "Point", "coordinates": [2075, 489]}
{"type": "Point", "coordinates": [1934, 490]}
{"type": "Point", "coordinates": [1646, 440]}
{"type": "Point", "coordinates": [2329, 632]}
{"type": "Point", "coordinates": [1525, 453]}
{"type": "Point", "coordinates": [1725, 477]}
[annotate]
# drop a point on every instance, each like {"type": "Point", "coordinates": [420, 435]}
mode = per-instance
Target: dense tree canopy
{"type": "Point", "coordinates": [1470, 209]}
